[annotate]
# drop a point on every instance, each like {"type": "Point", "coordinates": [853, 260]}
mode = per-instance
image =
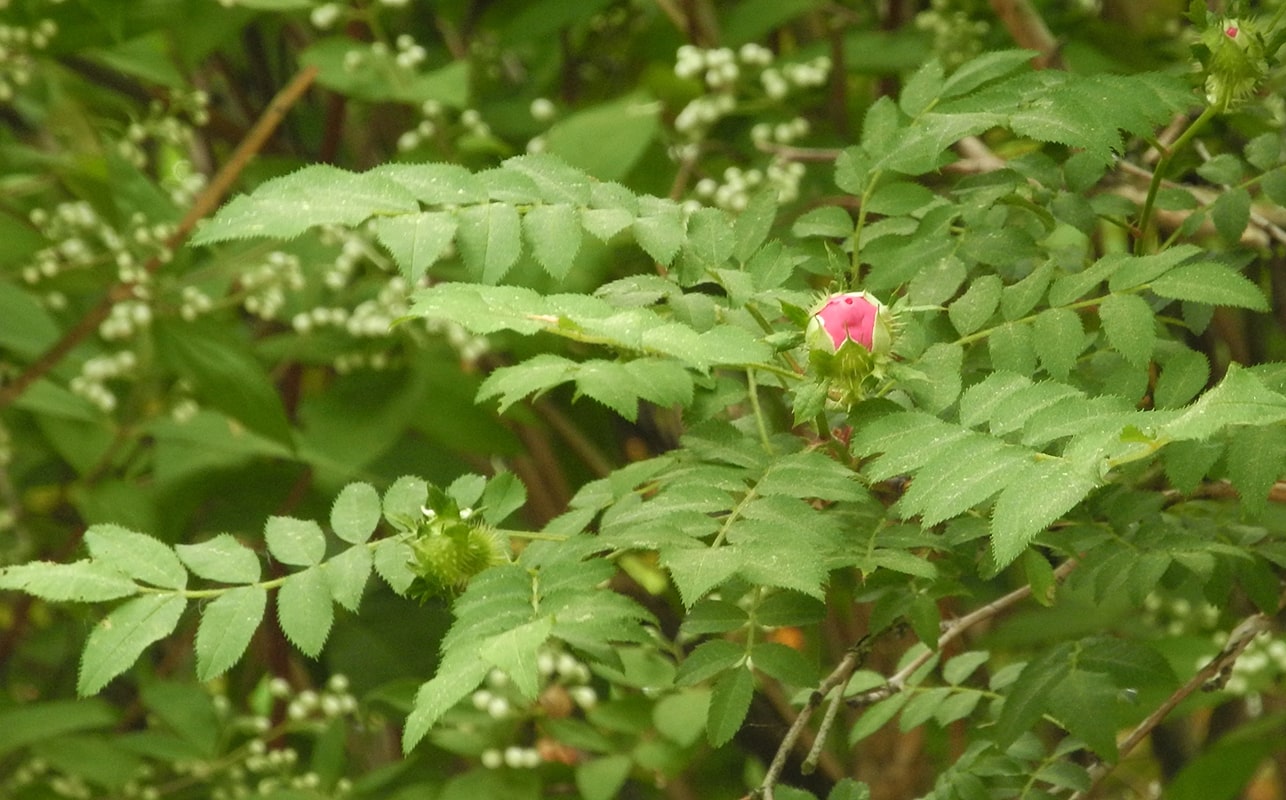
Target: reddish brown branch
{"type": "Point", "coordinates": [205, 203]}
{"type": "Point", "coordinates": [1029, 30]}
{"type": "Point", "coordinates": [1238, 641]}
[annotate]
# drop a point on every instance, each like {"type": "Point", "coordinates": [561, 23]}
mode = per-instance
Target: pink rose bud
{"type": "Point", "coordinates": [850, 317]}
{"type": "Point", "coordinates": [849, 338]}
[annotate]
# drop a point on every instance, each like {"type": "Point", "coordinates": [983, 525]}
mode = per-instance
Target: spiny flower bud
{"type": "Point", "coordinates": [1236, 64]}
{"type": "Point", "coordinates": [849, 337]}
{"type": "Point", "coordinates": [451, 546]}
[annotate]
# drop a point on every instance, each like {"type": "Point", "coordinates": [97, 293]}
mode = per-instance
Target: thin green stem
{"type": "Point", "coordinates": [732, 517]}
{"type": "Point", "coordinates": [1147, 234]}
{"type": "Point", "coordinates": [752, 386]}
{"type": "Point", "coordinates": [985, 332]}
{"type": "Point", "coordinates": [856, 261]}
{"type": "Point", "coordinates": [533, 535]}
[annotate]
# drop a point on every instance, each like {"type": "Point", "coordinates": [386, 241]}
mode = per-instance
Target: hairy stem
{"type": "Point", "coordinates": [1146, 242]}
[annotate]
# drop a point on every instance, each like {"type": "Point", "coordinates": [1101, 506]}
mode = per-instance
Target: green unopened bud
{"type": "Point", "coordinates": [1237, 62]}
{"type": "Point", "coordinates": [451, 546]}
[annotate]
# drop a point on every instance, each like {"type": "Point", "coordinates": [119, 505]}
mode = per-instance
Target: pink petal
{"type": "Point", "coordinates": [849, 316]}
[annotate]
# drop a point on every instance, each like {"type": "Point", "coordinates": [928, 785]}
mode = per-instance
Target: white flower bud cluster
{"type": "Point", "coordinates": [17, 44]}
{"type": "Point", "coordinates": [319, 317]}
{"type": "Point", "coordinates": [125, 319]}
{"type": "Point", "coordinates": [700, 115]}
{"type": "Point", "coordinates": [83, 240]}
{"type": "Point", "coordinates": [194, 303]}
{"type": "Point", "coordinates": [325, 15]}
{"type": "Point", "coordinates": [1178, 615]}
{"type": "Point", "coordinates": [729, 76]}
{"type": "Point", "coordinates": [334, 700]}
{"type": "Point", "coordinates": [564, 673]}
{"type": "Point", "coordinates": [345, 363]}
{"type": "Point", "coordinates": [432, 120]}
{"type": "Point", "coordinates": [543, 109]}
{"type": "Point", "coordinates": [469, 347]}
{"type": "Point", "coordinates": [169, 123]}
{"type": "Point", "coordinates": [956, 37]}
{"type": "Point", "coordinates": [473, 123]}
{"type": "Point", "coordinates": [183, 182]}
{"type": "Point", "coordinates": [184, 409]}
{"type": "Point", "coordinates": [733, 191]}
{"type": "Point", "coordinates": [250, 768]}
{"type": "Point", "coordinates": [91, 383]}
{"type": "Point", "coordinates": [410, 53]}
{"type": "Point", "coordinates": [374, 318]}
{"type": "Point", "coordinates": [265, 284]}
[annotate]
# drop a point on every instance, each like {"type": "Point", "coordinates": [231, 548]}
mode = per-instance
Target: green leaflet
{"type": "Point", "coordinates": [459, 673]}
{"type": "Point", "coordinates": [1239, 399]}
{"type": "Point", "coordinates": [347, 574]}
{"type": "Point", "coordinates": [1130, 326]}
{"type": "Point", "coordinates": [355, 512]}
{"type": "Point", "coordinates": [1059, 338]}
{"type": "Point", "coordinates": [1032, 501]}
{"type": "Point", "coordinates": [729, 703]}
{"type": "Point", "coordinates": [297, 542]}
{"type": "Point", "coordinates": [316, 195]}
{"type": "Point", "coordinates": [227, 625]}
{"type": "Point", "coordinates": [141, 557]}
{"type": "Point", "coordinates": [221, 558]}
{"type": "Point", "coordinates": [121, 637]}
{"type": "Point", "coordinates": [305, 611]}
{"type": "Point", "coordinates": [514, 652]}
{"type": "Point", "coordinates": [554, 233]}
{"type": "Point", "coordinates": [1208, 282]}
{"type": "Point", "coordinates": [698, 570]}
{"type": "Point", "coordinates": [417, 241]}
{"type": "Point", "coordinates": [489, 240]}
{"type": "Point", "coordinates": [78, 582]}
{"type": "Point", "coordinates": [972, 310]}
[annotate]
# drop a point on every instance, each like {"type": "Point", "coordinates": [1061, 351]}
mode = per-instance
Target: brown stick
{"type": "Point", "coordinates": [205, 203]}
{"type": "Point", "coordinates": [838, 678]}
{"type": "Point", "coordinates": [1029, 30]}
{"type": "Point", "coordinates": [1238, 641]}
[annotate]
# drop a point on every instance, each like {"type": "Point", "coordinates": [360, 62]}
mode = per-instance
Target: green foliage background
{"type": "Point", "coordinates": [470, 447]}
